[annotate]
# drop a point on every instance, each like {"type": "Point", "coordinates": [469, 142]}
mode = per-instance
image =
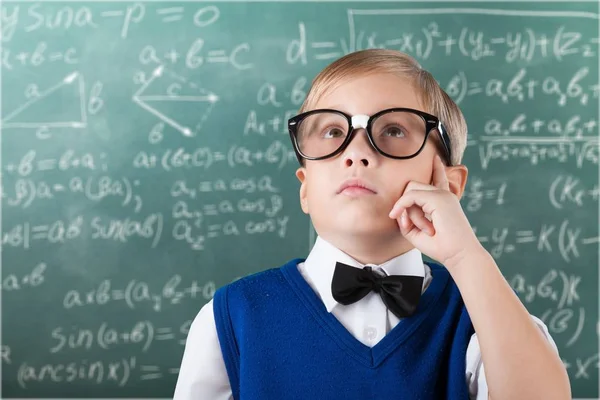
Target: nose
{"type": "Point", "coordinates": [359, 150]}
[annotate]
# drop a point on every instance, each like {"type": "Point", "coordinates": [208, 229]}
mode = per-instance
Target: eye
{"type": "Point", "coordinates": [393, 131]}
{"type": "Point", "coordinates": [333, 132]}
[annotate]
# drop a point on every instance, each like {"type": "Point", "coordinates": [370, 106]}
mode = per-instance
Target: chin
{"type": "Point", "coordinates": [361, 212]}
{"type": "Point", "coordinates": [363, 223]}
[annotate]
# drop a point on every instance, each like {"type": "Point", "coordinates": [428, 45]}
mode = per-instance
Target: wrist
{"type": "Point", "coordinates": [468, 257]}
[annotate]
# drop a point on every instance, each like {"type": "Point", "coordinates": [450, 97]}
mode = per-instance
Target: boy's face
{"type": "Point", "coordinates": [354, 215]}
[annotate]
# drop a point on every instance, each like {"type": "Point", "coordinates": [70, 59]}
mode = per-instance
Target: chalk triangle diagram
{"type": "Point", "coordinates": [177, 102]}
{"type": "Point", "coordinates": [60, 106]}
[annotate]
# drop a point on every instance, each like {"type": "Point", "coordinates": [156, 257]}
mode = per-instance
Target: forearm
{"type": "Point", "coordinates": [519, 361]}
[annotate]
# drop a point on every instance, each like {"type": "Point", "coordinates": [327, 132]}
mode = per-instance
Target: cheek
{"type": "Point", "coordinates": [319, 183]}
{"type": "Point", "coordinates": [411, 170]}
{"type": "Point", "coordinates": [317, 190]}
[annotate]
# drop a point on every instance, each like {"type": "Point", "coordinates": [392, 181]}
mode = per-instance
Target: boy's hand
{"type": "Point", "coordinates": [431, 218]}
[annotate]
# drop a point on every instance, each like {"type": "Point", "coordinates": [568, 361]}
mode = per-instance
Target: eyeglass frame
{"type": "Point", "coordinates": [365, 121]}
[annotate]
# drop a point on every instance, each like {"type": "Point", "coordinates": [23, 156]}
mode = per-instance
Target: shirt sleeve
{"type": "Point", "coordinates": [475, 372]}
{"type": "Point", "coordinates": [202, 375]}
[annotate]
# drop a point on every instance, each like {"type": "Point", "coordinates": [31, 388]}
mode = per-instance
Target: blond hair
{"type": "Point", "coordinates": [435, 100]}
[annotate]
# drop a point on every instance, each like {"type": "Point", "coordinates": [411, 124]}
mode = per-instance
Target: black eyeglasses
{"type": "Point", "coordinates": [398, 133]}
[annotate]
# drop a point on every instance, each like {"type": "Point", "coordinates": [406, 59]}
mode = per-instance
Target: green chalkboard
{"type": "Point", "coordinates": [145, 163]}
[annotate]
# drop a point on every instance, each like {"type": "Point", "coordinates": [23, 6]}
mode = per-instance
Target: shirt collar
{"type": "Point", "coordinates": [320, 265]}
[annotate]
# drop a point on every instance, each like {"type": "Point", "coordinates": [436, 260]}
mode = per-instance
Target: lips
{"type": "Point", "coordinates": [356, 185]}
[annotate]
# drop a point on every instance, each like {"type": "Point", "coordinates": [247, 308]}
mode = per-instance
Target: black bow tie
{"type": "Point", "coordinates": [400, 293]}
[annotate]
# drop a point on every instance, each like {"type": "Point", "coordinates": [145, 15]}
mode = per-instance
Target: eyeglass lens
{"type": "Point", "coordinates": [397, 133]}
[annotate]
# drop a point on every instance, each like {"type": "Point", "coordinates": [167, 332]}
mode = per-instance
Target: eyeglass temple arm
{"type": "Point", "coordinates": [445, 140]}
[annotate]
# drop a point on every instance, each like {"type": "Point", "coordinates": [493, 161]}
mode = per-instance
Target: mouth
{"type": "Point", "coordinates": [356, 187]}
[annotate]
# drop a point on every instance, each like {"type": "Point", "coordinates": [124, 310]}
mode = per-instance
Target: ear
{"type": "Point", "coordinates": [301, 175]}
{"type": "Point", "coordinates": [457, 179]}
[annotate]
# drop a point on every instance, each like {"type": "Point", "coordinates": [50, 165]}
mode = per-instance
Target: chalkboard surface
{"type": "Point", "coordinates": [145, 163]}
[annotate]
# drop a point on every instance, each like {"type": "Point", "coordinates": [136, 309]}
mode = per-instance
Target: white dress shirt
{"type": "Point", "coordinates": [203, 376]}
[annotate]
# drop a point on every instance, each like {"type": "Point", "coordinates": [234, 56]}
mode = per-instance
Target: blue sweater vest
{"type": "Point", "coordinates": [279, 342]}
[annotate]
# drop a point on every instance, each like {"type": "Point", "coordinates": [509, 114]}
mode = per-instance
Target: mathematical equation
{"type": "Point", "coordinates": [68, 161]}
{"type": "Point", "coordinates": [580, 151]}
{"type": "Point", "coordinates": [564, 237]}
{"type": "Point", "coordinates": [276, 153]}
{"type": "Point", "coordinates": [576, 126]}
{"type": "Point", "coordinates": [186, 229]}
{"type": "Point", "coordinates": [522, 87]}
{"type": "Point", "coordinates": [142, 334]}
{"type": "Point", "coordinates": [36, 17]}
{"type": "Point", "coordinates": [475, 194]}
{"type": "Point", "coordinates": [472, 44]}
{"type": "Point", "coordinates": [138, 293]}
{"type": "Point", "coordinates": [38, 55]}
{"type": "Point", "coordinates": [261, 184]}
{"type": "Point", "coordinates": [94, 189]}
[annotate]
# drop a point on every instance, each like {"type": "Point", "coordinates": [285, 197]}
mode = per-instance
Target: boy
{"type": "Point", "coordinates": [380, 146]}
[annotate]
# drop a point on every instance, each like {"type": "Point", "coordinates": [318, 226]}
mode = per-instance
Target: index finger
{"type": "Point", "coordinates": [440, 180]}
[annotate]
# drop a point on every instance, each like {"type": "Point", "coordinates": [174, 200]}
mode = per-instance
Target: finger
{"type": "Point", "coordinates": [405, 223]}
{"type": "Point", "coordinates": [414, 185]}
{"type": "Point", "coordinates": [407, 228]}
{"type": "Point", "coordinates": [417, 217]}
{"type": "Point", "coordinates": [440, 179]}
{"type": "Point", "coordinates": [395, 212]}
{"type": "Point", "coordinates": [422, 198]}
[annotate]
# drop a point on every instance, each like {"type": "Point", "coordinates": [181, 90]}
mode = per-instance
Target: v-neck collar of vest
{"type": "Point", "coordinates": [369, 356]}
